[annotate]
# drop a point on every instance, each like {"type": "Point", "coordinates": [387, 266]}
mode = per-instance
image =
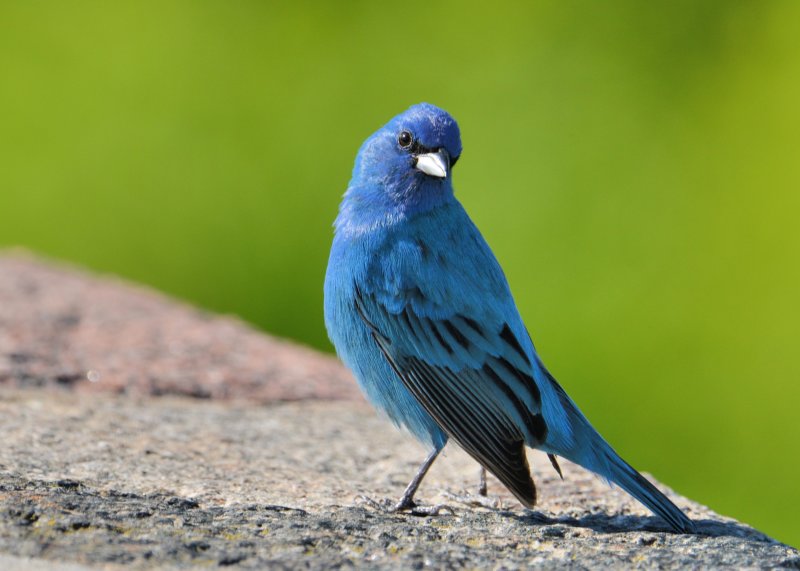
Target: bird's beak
{"type": "Point", "coordinates": [434, 164]}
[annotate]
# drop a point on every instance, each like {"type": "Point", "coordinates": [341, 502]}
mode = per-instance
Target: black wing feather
{"type": "Point", "coordinates": [485, 423]}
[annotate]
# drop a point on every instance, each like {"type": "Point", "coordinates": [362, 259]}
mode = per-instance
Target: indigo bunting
{"type": "Point", "coordinates": [419, 309]}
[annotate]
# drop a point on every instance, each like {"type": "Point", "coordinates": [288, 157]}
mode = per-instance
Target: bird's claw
{"type": "Point", "coordinates": [405, 506]}
{"type": "Point", "coordinates": [479, 501]}
{"type": "Point", "coordinates": [410, 506]}
{"type": "Point", "coordinates": [380, 506]}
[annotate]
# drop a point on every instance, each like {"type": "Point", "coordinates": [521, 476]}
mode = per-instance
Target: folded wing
{"type": "Point", "coordinates": [473, 378]}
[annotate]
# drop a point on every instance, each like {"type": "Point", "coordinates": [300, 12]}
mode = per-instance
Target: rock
{"type": "Point", "coordinates": [95, 478]}
{"type": "Point", "coordinates": [63, 328]}
{"type": "Point", "coordinates": [180, 482]}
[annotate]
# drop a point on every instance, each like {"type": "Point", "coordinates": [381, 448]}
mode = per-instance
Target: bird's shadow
{"type": "Point", "coordinates": [604, 523]}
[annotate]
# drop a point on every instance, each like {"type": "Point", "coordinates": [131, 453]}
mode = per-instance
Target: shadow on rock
{"type": "Point", "coordinates": [604, 523]}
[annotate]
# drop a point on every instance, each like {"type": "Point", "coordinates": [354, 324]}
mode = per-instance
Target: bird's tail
{"type": "Point", "coordinates": [627, 478]}
{"type": "Point", "coordinates": [593, 453]}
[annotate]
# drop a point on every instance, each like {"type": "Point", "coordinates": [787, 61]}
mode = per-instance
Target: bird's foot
{"type": "Point", "coordinates": [383, 506]}
{"type": "Point", "coordinates": [411, 507]}
{"type": "Point", "coordinates": [405, 506]}
{"type": "Point", "coordinates": [476, 501]}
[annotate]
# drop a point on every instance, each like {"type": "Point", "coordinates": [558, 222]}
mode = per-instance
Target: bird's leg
{"type": "Point", "coordinates": [407, 500]}
{"type": "Point", "coordinates": [482, 490]}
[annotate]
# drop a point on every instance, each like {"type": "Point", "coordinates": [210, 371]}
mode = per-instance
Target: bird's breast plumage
{"type": "Point", "coordinates": [352, 259]}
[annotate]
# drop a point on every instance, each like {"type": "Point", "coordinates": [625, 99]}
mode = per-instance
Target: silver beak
{"type": "Point", "coordinates": [434, 164]}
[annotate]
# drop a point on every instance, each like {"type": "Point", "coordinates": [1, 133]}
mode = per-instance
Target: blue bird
{"type": "Point", "coordinates": [419, 309]}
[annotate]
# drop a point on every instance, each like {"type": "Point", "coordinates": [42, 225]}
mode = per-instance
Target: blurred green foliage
{"type": "Point", "coordinates": [634, 166]}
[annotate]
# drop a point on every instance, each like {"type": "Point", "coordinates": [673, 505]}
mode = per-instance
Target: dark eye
{"type": "Point", "coordinates": [404, 139]}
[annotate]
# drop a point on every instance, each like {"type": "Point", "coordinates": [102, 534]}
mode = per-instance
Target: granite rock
{"type": "Point", "coordinates": [175, 482]}
{"type": "Point", "coordinates": [65, 328]}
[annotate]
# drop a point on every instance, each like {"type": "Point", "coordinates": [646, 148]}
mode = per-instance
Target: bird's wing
{"type": "Point", "coordinates": [475, 379]}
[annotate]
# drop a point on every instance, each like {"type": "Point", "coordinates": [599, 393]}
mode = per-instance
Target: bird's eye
{"type": "Point", "coordinates": [404, 139]}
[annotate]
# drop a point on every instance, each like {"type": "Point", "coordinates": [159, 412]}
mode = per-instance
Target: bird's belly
{"type": "Point", "coordinates": [378, 381]}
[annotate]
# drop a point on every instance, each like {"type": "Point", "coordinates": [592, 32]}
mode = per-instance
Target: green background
{"type": "Point", "coordinates": [635, 167]}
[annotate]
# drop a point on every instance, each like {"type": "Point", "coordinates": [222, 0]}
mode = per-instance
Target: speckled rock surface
{"type": "Point", "coordinates": [271, 468]}
{"type": "Point", "coordinates": [109, 481]}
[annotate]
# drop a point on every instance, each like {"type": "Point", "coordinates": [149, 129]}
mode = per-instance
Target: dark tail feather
{"type": "Point", "coordinates": [622, 474]}
{"type": "Point", "coordinates": [554, 462]}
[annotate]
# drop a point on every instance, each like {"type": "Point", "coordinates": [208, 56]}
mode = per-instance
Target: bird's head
{"type": "Point", "coordinates": [409, 161]}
